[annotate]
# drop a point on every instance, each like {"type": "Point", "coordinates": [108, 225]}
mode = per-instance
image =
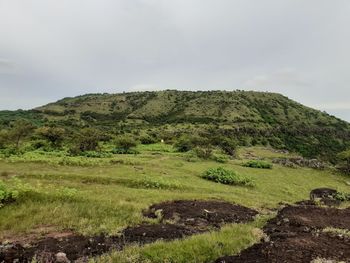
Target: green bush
{"type": "Point", "coordinates": [224, 176]}
{"type": "Point", "coordinates": [220, 158]}
{"type": "Point", "coordinates": [147, 139]}
{"type": "Point", "coordinates": [204, 152]}
{"type": "Point", "coordinates": [258, 164]}
{"type": "Point", "coordinates": [96, 154]}
{"type": "Point", "coordinates": [341, 196]}
{"type": "Point", "coordinates": [7, 195]}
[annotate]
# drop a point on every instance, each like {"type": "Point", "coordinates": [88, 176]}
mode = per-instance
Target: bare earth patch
{"type": "Point", "coordinates": [178, 219]}
{"type": "Point", "coordinates": [296, 235]}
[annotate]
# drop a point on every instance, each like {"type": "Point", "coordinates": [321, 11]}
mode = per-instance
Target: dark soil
{"type": "Point", "coordinates": [180, 219]}
{"type": "Point", "coordinates": [201, 214]}
{"type": "Point", "coordinates": [295, 235]}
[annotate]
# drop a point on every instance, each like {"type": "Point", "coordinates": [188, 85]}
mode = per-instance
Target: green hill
{"type": "Point", "coordinates": [251, 117]}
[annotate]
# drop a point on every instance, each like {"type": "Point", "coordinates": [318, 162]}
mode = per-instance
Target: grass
{"type": "Point", "coordinates": [106, 196]}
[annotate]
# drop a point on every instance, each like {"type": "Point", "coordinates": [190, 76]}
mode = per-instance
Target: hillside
{"type": "Point", "coordinates": [171, 106]}
{"type": "Point", "coordinates": [251, 117]}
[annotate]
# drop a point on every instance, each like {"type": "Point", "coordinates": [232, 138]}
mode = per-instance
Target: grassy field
{"type": "Point", "coordinates": [94, 195]}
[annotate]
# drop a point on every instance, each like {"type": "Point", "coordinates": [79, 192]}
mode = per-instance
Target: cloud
{"type": "Point", "coordinates": [66, 48]}
{"type": "Point", "coordinates": [6, 66]}
{"type": "Point", "coordinates": [281, 78]}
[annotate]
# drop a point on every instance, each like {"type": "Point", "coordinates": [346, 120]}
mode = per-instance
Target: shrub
{"type": "Point", "coordinates": [258, 164]}
{"type": "Point", "coordinates": [54, 135]}
{"type": "Point", "coordinates": [224, 176]}
{"type": "Point", "coordinates": [228, 145]}
{"type": "Point", "coordinates": [95, 154]}
{"type": "Point", "coordinates": [341, 196]}
{"type": "Point", "coordinates": [87, 140]}
{"type": "Point", "coordinates": [147, 139]}
{"type": "Point", "coordinates": [7, 195]}
{"type": "Point", "coordinates": [125, 145]}
{"type": "Point", "coordinates": [12, 190]}
{"type": "Point", "coordinates": [204, 152]}
{"type": "Point", "coordinates": [220, 158]}
{"type": "Point", "coordinates": [184, 144]}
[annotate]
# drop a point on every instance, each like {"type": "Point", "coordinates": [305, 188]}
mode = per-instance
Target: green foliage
{"type": "Point", "coordinates": [96, 154]}
{"type": "Point", "coordinates": [204, 152]}
{"type": "Point", "coordinates": [147, 139]}
{"type": "Point", "coordinates": [125, 144]}
{"type": "Point", "coordinates": [12, 190]}
{"type": "Point", "coordinates": [228, 145]}
{"type": "Point", "coordinates": [342, 196]}
{"type": "Point", "coordinates": [7, 195]}
{"type": "Point", "coordinates": [87, 140]}
{"type": "Point", "coordinates": [220, 158]}
{"type": "Point", "coordinates": [19, 130]}
{"type": "Point", "coordinates": [226, 119]}
{"type": "Point", "coordinates": [184, 143]}
{"type": "Point", "coordinates": [54, 135]}
{"type": "Point", "coordinates": [344, 158]}
{"type": "Point", "coordinates": [258, 164]}
{"type": "Point", "coordinates": [224, 176]}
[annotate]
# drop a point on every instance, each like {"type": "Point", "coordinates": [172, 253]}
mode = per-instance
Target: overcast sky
{"type": "Point", "coordinates": [51, 49]}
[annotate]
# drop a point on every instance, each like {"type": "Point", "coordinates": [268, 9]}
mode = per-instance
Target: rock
{"type": "Point", "coordinates": [322, 193]}
{"type": "Point", "coordinates": [62, 258]}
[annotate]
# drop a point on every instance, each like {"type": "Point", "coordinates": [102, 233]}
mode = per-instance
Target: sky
{"type": "Point", "coordinates": [52, 49]}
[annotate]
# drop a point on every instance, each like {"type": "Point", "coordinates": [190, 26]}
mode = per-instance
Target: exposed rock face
{"type": "Point", "coordinates": [300, 162]}
{"type": "Point", "coordinates": [61, 258]}
{"type": "Point", "coordinates": [322, 193]}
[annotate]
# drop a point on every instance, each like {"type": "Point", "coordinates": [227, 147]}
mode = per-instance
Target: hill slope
{"type": "Point", "coordinates": [250, 117]}
{"type": "Point", "coordinates": [181, 106]}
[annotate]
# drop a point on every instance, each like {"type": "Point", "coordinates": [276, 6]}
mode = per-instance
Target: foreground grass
{"type": "Point", "coordinates": [199, 248]}
{"type": "Point", "coordinates": [111, 195]}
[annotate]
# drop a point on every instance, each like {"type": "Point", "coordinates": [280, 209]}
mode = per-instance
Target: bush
{"type": "Point", "coordinates": [95, 154]}
{"type": "Point", "coordinates": [7, 195]}
{"type": "Point", "coordinates": [184, 144]}
{"type": "Point", "coordinates": [220, 158]}
{"type": "Point", "coordinates": [341, 196]}
{"type": "Point", "coordinates": [12, 190]}
{"type": "Point", "coordinates": [228, 145]}
{"type": "Point", "coordinates": [224, 176]}
{"type": "Point", "coordinates": [125, 145]}
{"type": "Point", "coordinates": [204, 152]}
{"type": "Point", "coordinates": [258, 164]}
{"type": "Point", "coordinates": [147, 139]}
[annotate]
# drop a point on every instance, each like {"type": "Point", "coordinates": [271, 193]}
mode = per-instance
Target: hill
{"type": "Point", "coordinates": [251, 117]}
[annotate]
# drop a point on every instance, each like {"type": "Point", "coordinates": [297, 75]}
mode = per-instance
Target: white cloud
{"type": "Point", "coordinates": [66, 48]}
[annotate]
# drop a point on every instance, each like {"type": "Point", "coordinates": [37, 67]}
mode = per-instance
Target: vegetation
{"type": "Point", "coordinates": [345, 161]}
{"type": "Point", "coordinates": [258, 164]}
{"type": "Point", "coordinates": [224, 119]}
{"type": "Point", "coordinates": [224, 176]}
{"type": "Point", "coordinates": [65, 164]}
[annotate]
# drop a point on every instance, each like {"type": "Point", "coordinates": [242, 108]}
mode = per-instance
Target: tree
{"type": "Point", "coordinates": [88, 138]}
{"type": "Point", "coordinates": [125, 143]}
{"type": "Point", "coordinates": [4, 138]}
{"type": "Point", "coordinates": [228, 145]}
{"type": "Point", "coordinates": [54, 135]}
{"type": "Point", "coordinates": [344, 157]}
{"type": "Point", "coordinates": [20, 129]}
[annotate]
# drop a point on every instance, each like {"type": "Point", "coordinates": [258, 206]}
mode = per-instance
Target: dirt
{"type": "Point", "coordinates": [201, 214]}
{"type": "Point", "coordinates": [295, 235]}
{"type": "Point", "coordinates": [179, 219]}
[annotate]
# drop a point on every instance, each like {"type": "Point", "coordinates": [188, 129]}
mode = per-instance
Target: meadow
{"type": "Point", "coordinates": [90, 195]}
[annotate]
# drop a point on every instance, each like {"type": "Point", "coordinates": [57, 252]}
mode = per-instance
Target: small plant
{"type": "Point", "coordinates": [258, 164]}
{"type": "Point", "coordinates": [224, 176]}
{"type": "Point", "coordinates": [341, 196]}
{"type": "Point", "coordinates": [220, 158]}
{"type": "Point", "coordinates": [7, 195]}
